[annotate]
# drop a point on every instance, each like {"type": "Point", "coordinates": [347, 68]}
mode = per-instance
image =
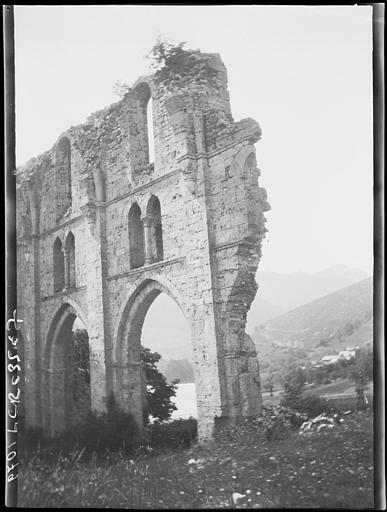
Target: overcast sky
{"type": "Point", "coordinates": [304, 73]}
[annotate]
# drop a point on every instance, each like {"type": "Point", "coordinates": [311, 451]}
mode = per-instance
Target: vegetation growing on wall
{"type": "Point", "coordinates": [176, 64]}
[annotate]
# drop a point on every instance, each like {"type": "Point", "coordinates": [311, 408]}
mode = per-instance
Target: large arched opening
{"type": "Point", "coordinates": [155, 319]}
{"type": "Point", "coordinates": [166, 332]}
{"type": "Point", "coordinates": [67, 372]}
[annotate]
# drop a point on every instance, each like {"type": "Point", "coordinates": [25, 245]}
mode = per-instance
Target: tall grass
{"type": "Point", "coordinates": [332, 469]}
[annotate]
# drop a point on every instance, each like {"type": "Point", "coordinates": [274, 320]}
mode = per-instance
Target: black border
{"type": "Point", "coordinates": [379, 361]}
{"type": "Point", "coordinates": [9, 212]}
{"type": "Point", "coordinates": [378, 146]}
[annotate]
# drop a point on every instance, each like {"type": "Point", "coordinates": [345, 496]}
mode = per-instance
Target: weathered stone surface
{"type": "Point", "coordinates": [189, 224]}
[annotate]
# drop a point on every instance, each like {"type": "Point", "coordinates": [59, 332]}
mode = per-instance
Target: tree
{"type": "Point", "coordinates": [363, 363]}
{"type": "Point", "coordinates": [361, 402]}
{"type": "Point", "coordinates": [269, 383]}
{"type": "Point", "coordinates": [159, 392]}
{"type": "Point", "coordinates": [120, 88]}
{"type": "Point", "coordinates": [295, 377]}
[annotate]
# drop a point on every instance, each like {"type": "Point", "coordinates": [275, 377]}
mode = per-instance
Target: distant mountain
{"type": "Point", "coordinates": [291, 290]}
{"type": "Point", "coordinates": [330, 311]}
{"type": "Point", "coordinates": [180, 369]}
{"type": "Point", "coordinates": [261, 311]}
{"type": "Point", "coordinates": [343, 272]}
{"type": "Point", "coordinates": [170, 342]}
{"type": "Point", "coordinates": [321, 327]}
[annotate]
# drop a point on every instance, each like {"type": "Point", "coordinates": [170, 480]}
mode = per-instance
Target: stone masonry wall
{"type": "Point", "coordinates": [206, 181]}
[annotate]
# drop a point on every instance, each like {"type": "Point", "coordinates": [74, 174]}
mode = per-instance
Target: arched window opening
{"type": "Point", "coordinates": [142, 128]}
{"type": "Point", "coordinates": [136, 237]}
{"type": "Point", "coordinates": [150, 132]}
{"type": "Point", "coordinates": [58, 266]}
{"type": "Point", "coordinates": [63, 176]}
{"type": "Point", "coordinates": [69, 257]}
{"type": "Point", "coordinates": [166, 332]}
{"type": "Point", "coordinates": [156, 231]}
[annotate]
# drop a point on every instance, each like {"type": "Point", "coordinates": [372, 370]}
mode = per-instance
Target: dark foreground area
{"type": "Point", "coordinates": [242, 467]}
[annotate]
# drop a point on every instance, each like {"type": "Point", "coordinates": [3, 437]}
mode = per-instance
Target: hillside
{"type": "Point", "coordinates": [177, 369]}
{"type": "Point", "coordinates": [278, 293]}
{"type": "Point", "coordinates": [326, 316]}
{"type": "Point", "coordinates": [321, 327]}
{"type": "Point", "coordinates": [292, 290]}
{"type": "Point", "coordinates": [261, 311]}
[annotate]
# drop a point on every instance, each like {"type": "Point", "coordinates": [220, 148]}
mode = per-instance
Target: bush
{"type": "Point", "coordinates": [116, 430]}
{"type": "Point", "coordinates": [175, 434]}
{"type": "Point", "coordinates": [175, 64]}
{"type": "Point", "coordinates": [309, 405]}
{"type": "Point", "coordinates": [292, 395]}
{"type": "Point", "coordinates": [29, 439]}
{"type": "Point", "coordinates": [312, 405]}
{"type": "Point", "coordinates": [277, 421]}
{"type": "Point", "coordinates": [113, 431]}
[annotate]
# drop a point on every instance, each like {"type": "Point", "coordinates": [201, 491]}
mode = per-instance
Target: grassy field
{"type": "Point", "coordinates": [333, 468]}
{"type": "Point", "coordinates": [344, 387]}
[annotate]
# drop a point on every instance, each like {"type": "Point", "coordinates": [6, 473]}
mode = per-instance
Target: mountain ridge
{"type": "Point", "coordinates": [288, 291]}
{"type": "Point", "coordinates": [321, 327]}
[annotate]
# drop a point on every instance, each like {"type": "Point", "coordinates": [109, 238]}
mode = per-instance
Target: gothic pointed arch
{"type": "Point", "coordinates": [58, 371]}
{"type": "Point", "coordinates": [153, 213]}
{"type": "Point", "coordinates": [69, 251]}
{"type": "Point", "coordinates": [58, 266]}
{"type": "Point", "coordinates": [136, 237]}
{"type": "Point", "coordinates": [128, 342]}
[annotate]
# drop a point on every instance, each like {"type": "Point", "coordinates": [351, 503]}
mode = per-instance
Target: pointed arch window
{"type": "Point", "coordinates": [150, 132]}
{"type": "Point", "coordinates": [142, 127]}
{"type": "Point", "coordinates": [69, 257]}
{"type": "Point", "coordinates": [153, 213]}
{"type": "Point", "coordinates": [58, 266]}
{"type": "Point", "coordinates": [136, 237]}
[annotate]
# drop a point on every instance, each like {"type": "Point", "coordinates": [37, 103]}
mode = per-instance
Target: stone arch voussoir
{"type": "Point", "coordinates": [137, 293]}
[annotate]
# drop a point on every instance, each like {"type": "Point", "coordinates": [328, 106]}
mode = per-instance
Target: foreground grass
{"type": "Point", "coordinates": [330, 469]}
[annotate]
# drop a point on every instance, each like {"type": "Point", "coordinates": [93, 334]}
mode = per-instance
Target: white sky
{"type": "Point", "coordinates": [304, 73]}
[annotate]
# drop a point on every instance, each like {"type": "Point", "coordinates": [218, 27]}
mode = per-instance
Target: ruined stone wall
{"type": "Point", "coordinates": [205, 180]}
